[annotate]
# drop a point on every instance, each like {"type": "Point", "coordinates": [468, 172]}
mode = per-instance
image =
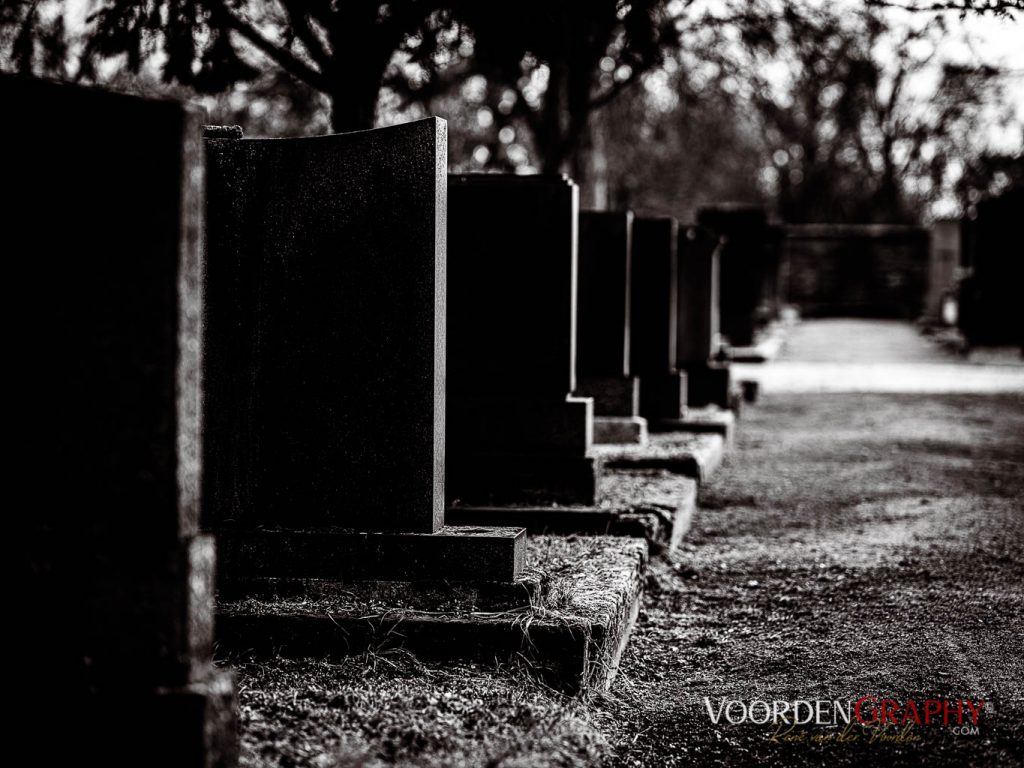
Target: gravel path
{"type": "Point", "coordinates": [880, 356]}
{"type": "Point", "coordinates": [852, 545]}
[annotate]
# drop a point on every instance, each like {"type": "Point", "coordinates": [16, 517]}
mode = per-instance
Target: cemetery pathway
{"type": "Point", "coordinates": [846, 355]}
{"type": "Point", "coordinates": [854, 544]}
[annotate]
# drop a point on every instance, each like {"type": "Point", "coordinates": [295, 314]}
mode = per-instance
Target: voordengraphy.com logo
{"type": "Point", "coordinates": [872, 717]}
{"type": "Point", "coordinates": [867, 710]}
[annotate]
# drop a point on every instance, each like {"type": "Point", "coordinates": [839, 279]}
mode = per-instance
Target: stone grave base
{"type": "Point", "coordinates": [710, 384]}
{"type": "Point", "coordinates": [710, 418]}
{"type": "Point", "coordinates": [620, 429]}
{"type": "Point", "coordinates": [692, 455]}
{"type": "Point", "coordinates": [654, 504]}
{"type": "Point", "coordinates": [663, 397]}
{"type": "Point", "coordinates": [522, 479]}
{"type": "Point", "coordinates": [612, 395]}
{"type": "Point", "coordinates": [751, 389]}
{"type": "Point", "coordinates": [570, 616]}
{"type": "Point", "coordinates": [451, 553]}
{"type": "Point", "coordinates": [766, 347]}
{"type": "Point", "coordinates": [192, 726]}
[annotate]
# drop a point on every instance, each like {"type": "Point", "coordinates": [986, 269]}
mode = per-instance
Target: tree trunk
{"type": "Point", "coordinates": [353, 109]}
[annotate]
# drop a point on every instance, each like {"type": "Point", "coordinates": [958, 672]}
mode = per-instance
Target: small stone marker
{"type": "Point", "coordinates": [514, 432]}
{"type": "Point", "coordinates": [103, 236]}
{"type": "Point", "coordinates": [326, 361]}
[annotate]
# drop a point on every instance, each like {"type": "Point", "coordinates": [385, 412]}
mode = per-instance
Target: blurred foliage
{"type": "Point", "coordinates": [661, 105]}
{"type": "Point", "coordinates": [863, 121]}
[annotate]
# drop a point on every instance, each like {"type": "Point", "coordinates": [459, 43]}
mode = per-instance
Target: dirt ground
{"type": "Point", "coordinates": [851, 545]}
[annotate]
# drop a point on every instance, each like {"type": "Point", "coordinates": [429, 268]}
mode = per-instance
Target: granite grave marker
{"type": "Point", "coordinates": [326, 281]}
{"type": "Point", "coordinates": [697, 334]}
{"type": "Point", "coordinates": [603, 333]}
{"type": "Point", "coordinates": [102, 235]}
{"type": "Point", "coordinates": [655, 321]}
{"type": "Point", "coordinates": [515, 433]}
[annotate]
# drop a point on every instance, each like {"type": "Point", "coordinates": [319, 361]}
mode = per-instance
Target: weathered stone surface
{"type": "Point", "coordinates": [460, 554]}
{"type": "Point", "coordinates": [712, 419]}
{"type": "Point", "coordinates": [367, 596]}
{"type": "Point", "coordinates": [620, 429]}
{"type": "Point", "coordinates": [573, 638]}
{"type": "Point", "coordinates": [100, 235]}
{"type": "Point", "coordinates": [653, 504]}
{"type": "Point", "coordinates": [694, 455]}
{"type": "Point", "coordinates": [325, 345]}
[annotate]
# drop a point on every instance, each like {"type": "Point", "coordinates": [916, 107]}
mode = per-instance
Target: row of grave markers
{"type": "Point", "coordinates": [308, 348]}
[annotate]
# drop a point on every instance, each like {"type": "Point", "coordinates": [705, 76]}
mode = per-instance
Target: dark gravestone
{"type": "Point", "coordinates": [603, 332]}
{"type": "Point", "coordinates": [514, 434]}
{"type": "Point", "coordinates": [325, 404]}
{"type": "Point", "coordinates": [697, 334]}
{"type": "Point", "coordinates": [115, 631]}
{"type": "Point", "coordinates": [654, 327]}
{"type": "Point", "coordinates": [990, 306]}
{"type": "Point", "coordinates": [744, 233]}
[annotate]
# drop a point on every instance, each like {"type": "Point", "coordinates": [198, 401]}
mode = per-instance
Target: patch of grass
{"type": "Point", "coordinates": [389, 709]}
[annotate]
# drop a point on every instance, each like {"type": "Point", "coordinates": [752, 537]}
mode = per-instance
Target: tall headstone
{"type": "Point", "coordinates": [697, 334]}
{"type": "Point", "coordinates": [744, 233]}
{"type": "Point", "coordinates": [655, 321]}
{"type": "Point", "coordinates": [515, 433]}
{"type": "Point", "coordinates": [326, 359]}
{"type": "Point", "coordinates": [103, 238]}
{"type": "Point", "coordinates": [603, 335]}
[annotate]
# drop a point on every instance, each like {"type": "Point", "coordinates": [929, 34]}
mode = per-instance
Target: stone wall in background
{"type": "Point", "coordinates": [856, 270]}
